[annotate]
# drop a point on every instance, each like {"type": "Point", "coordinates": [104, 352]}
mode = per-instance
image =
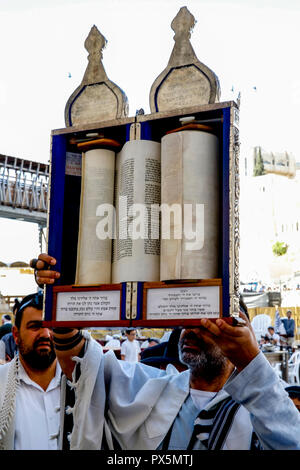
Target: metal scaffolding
{"type": "Point", "coordinates": [24, 190]}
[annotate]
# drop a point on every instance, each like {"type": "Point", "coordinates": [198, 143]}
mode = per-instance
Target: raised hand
{"type": "Point", "coordinates": [238, 344]}
{"type": "Point", "coordinates": [42, 269]}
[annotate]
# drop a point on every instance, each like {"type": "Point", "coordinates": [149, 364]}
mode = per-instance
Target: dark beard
{"type": "Point", "coordinates": [37, 360]}
{"type": "Point", "coordinates": [208, 363]}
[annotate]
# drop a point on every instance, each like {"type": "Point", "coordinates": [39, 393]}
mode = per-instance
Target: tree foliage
{"type": "Point", "coordinates": [259, 168]}
{"type": "Point", "coordinates": [279, 248]}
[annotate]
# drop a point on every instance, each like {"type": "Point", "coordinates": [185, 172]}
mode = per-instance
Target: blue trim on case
{"type": "Point", "coordinates": [139, 301]}
{"type": "Point", "coordinates": [225, 212]}
{"type": "Point", "coordinates": [123, 301]}
{"type": "Point", "coordinates": [146, 131]}
{"type": "Point", "coordinates": [56, 208]}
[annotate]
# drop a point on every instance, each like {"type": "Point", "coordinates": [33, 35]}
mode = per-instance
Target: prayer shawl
{"type": "Point", "coordinates": [213, 425]}
{"type": "Point", "coordinates": [9, 382]}
{"type": "Point", "coordinates": [141, 402]}
{"type": "Point", "coordinates": [9, 385]}
{"type": "Point", "coordinates": [138, 403]}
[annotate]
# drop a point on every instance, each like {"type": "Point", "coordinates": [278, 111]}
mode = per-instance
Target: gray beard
{"type": "Point", "coordinates": [207, 364]}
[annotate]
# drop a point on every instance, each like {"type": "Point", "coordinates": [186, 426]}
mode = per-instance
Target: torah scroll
{"type": "Point", "coordinates": [97, 192]}
{"type": "Point", "coordinates": [136, 248]}
{"type": "Point", "coordinates": [190, 206]}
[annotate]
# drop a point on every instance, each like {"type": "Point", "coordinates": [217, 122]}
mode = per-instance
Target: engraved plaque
{"type": "Point", "coordinates": [185, 81]}
{"type": "Point", "coordinates": [173, 90]}
{"type": "Point", "coordinates": [97, 98]}
{"type": "Point", "coordinates": [88, 306]}
{"type": "Point", "coordinates": [183, 303]}
{"type": "Point", "coordinates": [84, 109]}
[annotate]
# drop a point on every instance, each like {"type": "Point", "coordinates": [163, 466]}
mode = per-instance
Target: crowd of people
{"type": "Point", "coordinates": [281, 336]}
{"type": "Point", "coordinates": [209, 388]}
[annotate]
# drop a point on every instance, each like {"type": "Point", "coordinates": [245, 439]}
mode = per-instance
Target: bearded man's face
{"type": "Point", "coordinates": [35, 343]}
{"type": "Point", "coordinates": [200, 354]}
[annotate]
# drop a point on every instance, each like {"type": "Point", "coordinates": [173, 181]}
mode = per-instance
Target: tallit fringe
{"type": "Point", "coordinates": [7, 410]}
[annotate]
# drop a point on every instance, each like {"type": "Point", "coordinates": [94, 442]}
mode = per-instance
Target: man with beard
{"type": "Point", "coordinates": [30, 384]}
{"type": "Point", "coordinates": [228, 391]}
{"type": "Point", "coordinates": [215, 420]}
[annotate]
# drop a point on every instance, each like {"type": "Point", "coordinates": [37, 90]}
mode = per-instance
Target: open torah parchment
{"type": "Point", "coordinates": [190, 181]}
{"type": "Point", "coordinates": [119, 192]}
{"type": "Point", "coordinates": [117, 186]}
{"type": "Point", "coordinates": [138, 182]}
{"type": "Point", "coordinates": [97, 188]}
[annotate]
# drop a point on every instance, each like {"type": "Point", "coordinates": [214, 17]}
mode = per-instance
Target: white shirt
{"type": "Point", "coordinates": [201, 398]}
{"type": "Point", "coordinates": [37, 413]}
{"type": "Point", "coordinates": [275, 336]}
{"type": "Point", "coordinates": [131, 350]}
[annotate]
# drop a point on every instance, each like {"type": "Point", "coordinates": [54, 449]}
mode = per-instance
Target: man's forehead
{"type": "Point", "coordinates": [197, 331]}
{"type": "Point", "coordinates": [32, 314]}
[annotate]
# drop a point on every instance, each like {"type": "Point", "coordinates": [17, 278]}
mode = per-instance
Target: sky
{"type": "Point", "coordinates": [250, 45]}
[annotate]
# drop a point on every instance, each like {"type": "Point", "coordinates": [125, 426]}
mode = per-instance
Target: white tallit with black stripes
{"type": "Point", "coordinates": [223, 424]}
{"type": "Point", "coordinates": [214, 423]}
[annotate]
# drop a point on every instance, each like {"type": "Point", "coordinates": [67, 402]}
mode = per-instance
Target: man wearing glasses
{"type": "Point", "coordinates": [30, 384]}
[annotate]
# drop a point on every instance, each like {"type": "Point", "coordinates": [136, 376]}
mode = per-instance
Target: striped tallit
{"type": "Point", "coordinates": [211, 426]}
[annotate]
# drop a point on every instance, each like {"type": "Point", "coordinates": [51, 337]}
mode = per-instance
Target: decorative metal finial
{"type": "Point", "coordinates": [95, 41]}
{"type": "Point", "coordinates": [183, 24]}
{"type": "Point", "coordinates": [183, 52]}
{"type": "Point", "coordinates": [97, 98]}
{"type": "Point", "coordinates": [94, 44]}
{"type": "Point", "coordinates": [185, 81]}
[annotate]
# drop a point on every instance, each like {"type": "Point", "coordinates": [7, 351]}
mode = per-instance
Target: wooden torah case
{"type": "Point", "coordinates": [181, 157]}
